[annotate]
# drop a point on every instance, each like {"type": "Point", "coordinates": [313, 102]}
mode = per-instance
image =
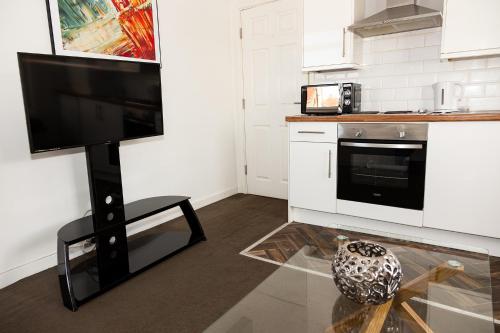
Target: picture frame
{"type": "Point", "coordinates": [106, 29]}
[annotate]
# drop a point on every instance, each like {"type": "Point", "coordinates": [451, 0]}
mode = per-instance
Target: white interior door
{"type": "Point", "coordinates": [272, 60]}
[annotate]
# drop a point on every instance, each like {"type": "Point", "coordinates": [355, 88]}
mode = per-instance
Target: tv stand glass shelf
{"type": "Point", "coordinates": [94, 273]}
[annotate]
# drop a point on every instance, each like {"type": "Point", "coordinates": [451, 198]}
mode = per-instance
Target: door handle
{"type": "Point", "coordinates": [330, 164]}
{"type": "Point", "coordinates": [297, 103]}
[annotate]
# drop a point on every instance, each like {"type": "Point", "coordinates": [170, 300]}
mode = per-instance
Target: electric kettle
{"type": "Point", "coordinates": [448, 96]}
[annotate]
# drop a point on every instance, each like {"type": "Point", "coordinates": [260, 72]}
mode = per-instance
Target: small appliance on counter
{"type": "Point", "coordinates": [331, 99]}
{"type": "Point", "coordinates": [448, 96]}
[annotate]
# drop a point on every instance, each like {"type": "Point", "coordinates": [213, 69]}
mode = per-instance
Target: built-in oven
{"type": "Point", "coordinates": [382, 164]}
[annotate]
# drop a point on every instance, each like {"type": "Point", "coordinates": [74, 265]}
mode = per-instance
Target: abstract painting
{"type": "Point", "coordinates": [110, 29]}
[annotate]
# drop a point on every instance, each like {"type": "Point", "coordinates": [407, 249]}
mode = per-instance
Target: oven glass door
{"type": "Point", "coordinates": [389, 173]}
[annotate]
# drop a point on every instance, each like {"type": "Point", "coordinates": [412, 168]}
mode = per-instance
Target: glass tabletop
{"type": "Point", "coordinates": [445, 288]}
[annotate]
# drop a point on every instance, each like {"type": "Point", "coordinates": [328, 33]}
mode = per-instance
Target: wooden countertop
{"type": "Point", "coordinates": [404, 118]}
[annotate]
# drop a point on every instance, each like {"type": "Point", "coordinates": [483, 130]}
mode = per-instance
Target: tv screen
{"type": "Point", "coordinates": [72, 102]}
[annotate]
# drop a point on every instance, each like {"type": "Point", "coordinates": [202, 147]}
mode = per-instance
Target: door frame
{"type": "Point", "coordinates": [238, 83]}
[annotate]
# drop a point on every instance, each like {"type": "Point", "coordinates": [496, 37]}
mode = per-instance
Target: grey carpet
{"type": "Point", "coordinates": [185, 293]}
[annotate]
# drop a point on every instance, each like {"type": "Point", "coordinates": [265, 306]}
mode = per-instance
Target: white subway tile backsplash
{"type": "Point", "coordinates": [436, 65]}
{"type": "Point", "coordinates": [380, 70]}
{"type": "Point", "coordinates": [375, 83]}
{"type": "Point", "coordinates": [453, 76]}
{"type": "Point", "coordinates": [408, 93]}
{"type": "Point", "coordinates": [490, 75]}
{"type": "Point", "coordinates": [425, 53]}
{"type": "Point", "coordinates": [372, 58]}
{"type": "Point", "coordinates": [409, 42]}
{"type": "Point", "coordinates": [492, 89]}
{"type": "Point", "coordinates": [485, 103]}
{"type": "Point", "coordinates": [335, 76]}
{"type": "Point", "coordinates": [422, 80]}
{"type": "Point", "coordinates": [421, 104]}
{"type": "Point", "coordinates": [433, 39]}
{"type": "Point", "coordinates": [469, 64]}
{"type": "Point", "coordinates": [427, 92]}
{"type": "Point", "coordinates": [408, 68]}
{"type": "Point", "coordinates": [349, 80]}
{"type": "Point", "coordinates": [394, 106]}
{"type": "Point", "coordinates": [353, 75]}
{"type": "Point", "coordinates": [396, 56]}
{"type": "Point", "coordinates": [473, 90]}
{"type": "Point", "coordinates": [383, 45]}
{"type": "Point", "coordinates": [400, 69]}
{"type": "Point", "coordinates": [394, 82]}
{"type": "Point", "coordinates": [416, 104]}
{"type": "Point", "coordinates": [493, 62]}
{"type": "Point", "coordinates": [367, 46]}
{"type": "Point", "coordinates": [370, 106]}
{"type": "Point", "coordinates": [377, 95]}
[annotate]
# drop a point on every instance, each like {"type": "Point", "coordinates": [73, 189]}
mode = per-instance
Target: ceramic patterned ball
{"type": "Point", "coordinates": [366, 273]}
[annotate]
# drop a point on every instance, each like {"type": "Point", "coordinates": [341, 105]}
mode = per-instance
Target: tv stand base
{"type": "Point", "coordinates": [117, 257]}
{"type": "Point", "coordinates": [88, 276]}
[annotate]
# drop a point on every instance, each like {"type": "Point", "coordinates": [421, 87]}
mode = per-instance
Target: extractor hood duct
{"type": "Point", "coordinates": [396, 19]}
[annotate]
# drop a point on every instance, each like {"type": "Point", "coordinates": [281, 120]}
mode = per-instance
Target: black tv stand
{"type": "Point", "coordinates": [116, 258]}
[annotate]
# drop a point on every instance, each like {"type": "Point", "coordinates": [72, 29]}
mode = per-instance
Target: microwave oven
{"type": "Point", "coordinates": [331, 99]}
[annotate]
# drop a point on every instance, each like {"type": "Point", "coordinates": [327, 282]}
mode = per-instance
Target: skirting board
{"type": "Point", "coordinates": [447, 238]}
{"type": "Point", "coordinates": [17, 273]}
{"type": "Point", "coordinates": [383, 213]}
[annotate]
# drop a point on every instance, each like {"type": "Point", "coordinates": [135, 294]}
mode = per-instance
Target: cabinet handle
{"type": "Point", "coordinates": [330, 164]}
{"type": "Point", "coordinates": [343, 43]}
{"type": "Point", "coordinates": [310, 132]}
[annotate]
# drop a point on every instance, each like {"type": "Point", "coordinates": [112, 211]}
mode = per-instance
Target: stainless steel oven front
{"type": "Point", "coordinates": [382, 164]}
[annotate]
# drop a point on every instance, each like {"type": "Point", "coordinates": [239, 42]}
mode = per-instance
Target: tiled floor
{"type": "Point", "coordinates": [282, 245]}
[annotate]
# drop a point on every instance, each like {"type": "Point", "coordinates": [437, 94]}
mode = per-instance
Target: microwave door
{"type": "Point", "coordinates": [321, 99]}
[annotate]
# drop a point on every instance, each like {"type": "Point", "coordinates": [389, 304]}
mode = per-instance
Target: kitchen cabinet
{"type": "Point", "coordinates": [462, 188]}
{"type": "Point", "coordinates": [328, 45]}
{"type": "Point", "coordinates": [470, 29]}
{"type": "Point", "coordinates": [313, 175]}
{"type": "Point", "coordinates": [313, 132]}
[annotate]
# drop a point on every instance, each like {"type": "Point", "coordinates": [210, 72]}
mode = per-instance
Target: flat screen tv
{"type": "Point", "coordinates": [72, 102]}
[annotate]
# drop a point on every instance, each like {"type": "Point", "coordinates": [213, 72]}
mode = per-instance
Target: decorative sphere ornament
{"type": "Point", "coordinates": [366, 273]}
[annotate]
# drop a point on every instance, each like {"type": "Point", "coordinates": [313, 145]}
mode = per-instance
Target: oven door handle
{"type": "Point", "coordinates": [383, 145]}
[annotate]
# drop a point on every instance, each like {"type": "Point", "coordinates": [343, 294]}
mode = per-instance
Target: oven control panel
{"type": "Point", "coordinates": [384, 131]}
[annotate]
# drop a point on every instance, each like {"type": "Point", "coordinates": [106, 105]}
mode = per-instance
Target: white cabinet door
{"type": "Point", "coordinates": [313, 176]}
{"type": "Point", "coordinates": [470, 28]}
{"type": "Point", "coordinates": [327, 42]}
{"type": "Point", "coordinates": [462, 187]}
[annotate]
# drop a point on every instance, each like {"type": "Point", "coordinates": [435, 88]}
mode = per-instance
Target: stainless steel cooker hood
{"type": "Point", "coordinates": [396, 19]}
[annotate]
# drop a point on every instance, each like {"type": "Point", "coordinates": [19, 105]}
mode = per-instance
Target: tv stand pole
{"type": "Point", "coordinates": [116, 258]}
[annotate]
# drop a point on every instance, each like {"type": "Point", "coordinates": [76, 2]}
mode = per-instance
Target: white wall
{"type": "Point", "coordinates": [400, 69]}
{"type": "Point", "coordinates": [196, 156]}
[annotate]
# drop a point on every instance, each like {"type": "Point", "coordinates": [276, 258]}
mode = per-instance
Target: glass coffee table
{"type": "Point", "coordinates": [444, 289]}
